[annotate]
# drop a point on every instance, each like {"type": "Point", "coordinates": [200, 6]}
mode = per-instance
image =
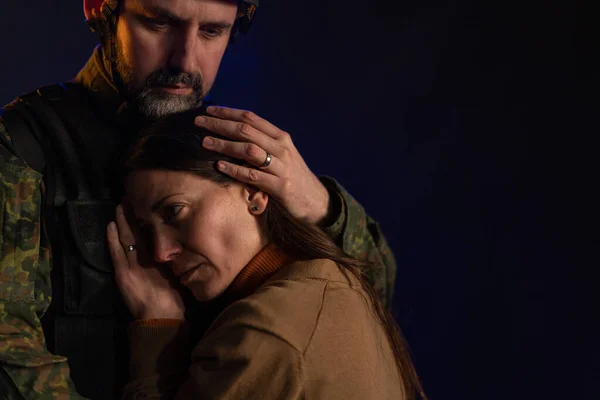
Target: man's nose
{"type": "Point", "coordinates": [184, 49]}
{"type": "Point", "coordinates": [166, 246]}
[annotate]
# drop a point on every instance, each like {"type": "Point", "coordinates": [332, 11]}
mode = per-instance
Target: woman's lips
{"type": "Point", "coordinates": [186, 275]}
{"type": "Point", "coordinates": [201, 272]}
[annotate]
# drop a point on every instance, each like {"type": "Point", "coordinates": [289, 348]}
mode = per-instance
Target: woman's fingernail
{"type": "Point", "coordinates": [112, 226]}
{"type": "Point", "coordinates": [209, 142]}
{"type": "Point", "coordinates": [200, 120]}
{"type": "Point", "coordinates": [211, 109]}
{"type": "Point", "coordinates": [222, 166]}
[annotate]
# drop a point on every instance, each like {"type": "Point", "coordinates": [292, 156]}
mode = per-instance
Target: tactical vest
{"type": "Point", "coordinates": [60, 131]}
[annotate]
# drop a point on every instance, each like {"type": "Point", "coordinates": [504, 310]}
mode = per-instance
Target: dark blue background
{"type": "Point", "coordinates": [450, 121]}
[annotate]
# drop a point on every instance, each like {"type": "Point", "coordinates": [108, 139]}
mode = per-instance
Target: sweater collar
{"type": "Point", "coordinates": [264, 265]}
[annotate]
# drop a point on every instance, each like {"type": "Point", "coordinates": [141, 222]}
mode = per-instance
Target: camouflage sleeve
{"type": "Point", "coordinates": [25, 264]}
{"type": "Point", "coordinates": [360, 237]}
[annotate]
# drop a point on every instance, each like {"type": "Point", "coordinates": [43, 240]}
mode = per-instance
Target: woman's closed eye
{"type": "Point", "coordinates": [172, 212]}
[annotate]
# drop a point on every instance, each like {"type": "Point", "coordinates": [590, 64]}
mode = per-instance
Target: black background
{"type": "Point", "coordinates": [453, 123]}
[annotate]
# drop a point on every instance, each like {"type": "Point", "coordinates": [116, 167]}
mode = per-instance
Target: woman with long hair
{"type": "Point", "coordinates": [291, 316]}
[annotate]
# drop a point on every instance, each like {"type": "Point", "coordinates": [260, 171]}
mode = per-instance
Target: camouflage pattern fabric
{"type": "Point", "coordinates": [360, 237]}
{"type": "Point", "coordinates": [25, 290]}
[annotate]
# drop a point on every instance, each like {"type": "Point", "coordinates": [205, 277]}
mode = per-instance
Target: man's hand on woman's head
{"type": "Point", "coordinates": [148, 291]}
{"type": "Point", "coordinates": [287, 177]}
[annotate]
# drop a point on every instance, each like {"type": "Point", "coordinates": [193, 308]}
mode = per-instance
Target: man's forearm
{"type": "Point", "coordinates": [33, 372]}
{"type": "Point", "coordinates": [25, 289]}
{"type": "Point", "coordinates": [43, 382]}
{"type": "Point", "coordinates": [360, 237]}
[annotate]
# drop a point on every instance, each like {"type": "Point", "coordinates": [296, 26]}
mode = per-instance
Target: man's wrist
{"type": "Point", "coordinates": [334, 208]}
{"type": "Point", "coordinates": [334, 225]}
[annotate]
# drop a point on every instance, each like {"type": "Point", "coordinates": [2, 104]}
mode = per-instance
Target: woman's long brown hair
{"type": "Point", "coordinates": [175, 143]}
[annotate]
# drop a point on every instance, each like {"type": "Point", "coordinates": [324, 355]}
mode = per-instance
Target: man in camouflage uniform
{"type": "Point", "coordinates": [119, 81]}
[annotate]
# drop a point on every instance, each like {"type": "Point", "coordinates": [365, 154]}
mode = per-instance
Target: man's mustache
{"type": "Point", "coordinates": [166, 78]}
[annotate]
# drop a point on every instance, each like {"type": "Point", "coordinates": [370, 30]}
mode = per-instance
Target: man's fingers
{"type": "Point", "coordinates": [249, 152]}
{"type": "Point", "coordinates": [238, 131]}
{"type": "Point", "coordinates": [262, 180]}
{"type": "Point", "coordinates": [246, 117]}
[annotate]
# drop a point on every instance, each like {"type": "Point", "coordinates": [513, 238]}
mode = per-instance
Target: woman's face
{"type": "Point", "coordinates": [205, 231]}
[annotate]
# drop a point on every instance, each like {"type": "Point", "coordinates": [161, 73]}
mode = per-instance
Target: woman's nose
{"type": "Point", "coordinates": [166, 247]}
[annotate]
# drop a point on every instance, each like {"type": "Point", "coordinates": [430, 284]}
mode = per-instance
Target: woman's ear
{"type": "Point", "coordinates": [257, 200]}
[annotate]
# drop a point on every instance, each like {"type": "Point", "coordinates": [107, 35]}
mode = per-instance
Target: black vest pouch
{"type": "Point", "coordinates": [90, 286]}
{"type": "Point", "coordinates": [87, 330]}
{"type": "Point", "coordinates": [90, 298]}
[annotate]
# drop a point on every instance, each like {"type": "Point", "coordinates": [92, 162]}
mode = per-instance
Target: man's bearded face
{"type": "Point", "coordinates": [169, 51]}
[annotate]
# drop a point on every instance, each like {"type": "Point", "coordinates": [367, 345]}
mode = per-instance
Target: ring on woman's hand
{"type": "Point", "coordinates": [131, 247]}
{"type": "Point", "coordinates": [267, 161]}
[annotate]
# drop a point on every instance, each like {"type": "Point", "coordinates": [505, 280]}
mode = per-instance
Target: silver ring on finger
{"type": "Point", "coordinates": [267, 161]}
{"type": "Point", "coordinates": [131, 247]}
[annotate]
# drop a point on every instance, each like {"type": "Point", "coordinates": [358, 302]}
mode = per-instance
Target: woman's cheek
{"type": "Point", "coordinates": [190, 231]}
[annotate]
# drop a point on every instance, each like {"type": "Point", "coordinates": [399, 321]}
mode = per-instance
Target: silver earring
{"type": "Point", "coordinates": [254, 208]}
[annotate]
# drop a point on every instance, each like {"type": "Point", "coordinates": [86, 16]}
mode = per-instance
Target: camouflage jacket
{"type": "Point", "coordinates": [25, 261]}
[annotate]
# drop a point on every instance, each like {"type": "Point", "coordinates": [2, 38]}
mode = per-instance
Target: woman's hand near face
{"type": "Point", "coordinates": [147, 291]}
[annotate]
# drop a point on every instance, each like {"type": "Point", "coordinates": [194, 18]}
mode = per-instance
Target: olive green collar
{"type": "Point", "coordinates": [95, 77]}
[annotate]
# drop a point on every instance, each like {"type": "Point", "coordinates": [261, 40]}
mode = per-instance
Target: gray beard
{"type": "Point", "coordinates": [154, 103]}
{"type": "Point", "coordinates": [150, 99]}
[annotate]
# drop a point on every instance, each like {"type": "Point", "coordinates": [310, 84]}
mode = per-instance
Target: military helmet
{"type": "Point", "coordinates": [99, 10]}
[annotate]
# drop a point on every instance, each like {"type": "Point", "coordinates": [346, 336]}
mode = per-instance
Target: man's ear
{"type": "Point", "coordinates": [257, 200]}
